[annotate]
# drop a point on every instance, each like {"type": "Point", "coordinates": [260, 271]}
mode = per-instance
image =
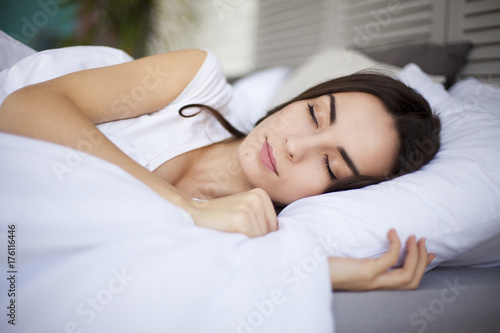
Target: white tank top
{"type": "Point", "coordinates": [151, 139]}
{"type": "Point", "coordinates": [155, 138]}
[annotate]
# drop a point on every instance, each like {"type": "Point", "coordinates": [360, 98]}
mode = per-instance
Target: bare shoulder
{"type": "Point", "coordinates": [193, 58]}
{"type": "Point", "coordinates": [195, 55]}
{"type": "Point", "coordinates": [97, 92]}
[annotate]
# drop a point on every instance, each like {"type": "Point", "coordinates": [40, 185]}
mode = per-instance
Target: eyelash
{"type": "Point", "coordinates": [327, 162]}
{"type": "Point", "coordinates": [313, 116]}
{"type": "Point", "coordinates": [330, 172]}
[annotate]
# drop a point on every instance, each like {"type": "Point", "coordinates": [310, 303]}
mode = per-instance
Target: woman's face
{"type": "Point", "coordinates": [309, 145]}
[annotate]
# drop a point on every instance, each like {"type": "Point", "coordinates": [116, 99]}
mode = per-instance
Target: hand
{"type": "Point", "coordinates": [251, 213]}
{"type": "Point", "coordinates": [375, 273]}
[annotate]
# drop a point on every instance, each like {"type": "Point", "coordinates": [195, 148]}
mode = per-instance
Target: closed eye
{"type": "Point", "coordinates": [313, 116]}
{"type": "Point", "coordinates": [328, 169]}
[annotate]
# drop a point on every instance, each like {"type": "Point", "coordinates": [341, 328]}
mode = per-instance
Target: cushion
{"type": "Point", "coordinates": [454, 201]}
{"type": "Point", "coordinates": [439, 59]}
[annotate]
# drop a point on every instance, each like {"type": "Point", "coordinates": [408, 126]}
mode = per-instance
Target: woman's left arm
{"type": "Point", "coordinates": [65, 111]}
{"type": "Point", "coordinates": [376, 273]}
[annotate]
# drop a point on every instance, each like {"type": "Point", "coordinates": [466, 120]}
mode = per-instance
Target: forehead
{"type": "Point", "coordinates": [367, 131]}
{"type": "Point", "coordinates": [355, 103]}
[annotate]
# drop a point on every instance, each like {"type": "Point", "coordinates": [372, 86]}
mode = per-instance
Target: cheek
{"type": "Point", "coordinates": [250, 147]}
{"type": "Point", "coordinates": [247, 156]}
{"type": "Point", "coordinates": [281, 121]}
{"type": "Point", "coordinates": [302, 184]}
{"type": "Point", "coordinates": [246, 152]}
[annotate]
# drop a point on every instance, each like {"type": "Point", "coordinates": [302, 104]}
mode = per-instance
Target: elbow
{"type": "Point", "coordinates": [16, 110]}
{"type": "Point", "coordinates": [9, 119]}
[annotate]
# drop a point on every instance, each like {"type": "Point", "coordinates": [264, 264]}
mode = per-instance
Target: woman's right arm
{"type": "Point", "coordinates": [65, 111]}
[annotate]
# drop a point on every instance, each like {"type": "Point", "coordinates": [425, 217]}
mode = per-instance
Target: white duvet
{"type": "Point", "coordinates": [101, 252]}
{"type": "Point", "coordinates": [94, 250]}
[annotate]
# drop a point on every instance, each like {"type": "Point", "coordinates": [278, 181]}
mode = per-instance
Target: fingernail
{"type": "Point", "coordinates": [426, 244]}
{"type": "Point", "coordinates": [433, 260]}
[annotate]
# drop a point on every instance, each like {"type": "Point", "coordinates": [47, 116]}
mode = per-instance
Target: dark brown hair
{"type": "Point", "coordinates": [418, 129]}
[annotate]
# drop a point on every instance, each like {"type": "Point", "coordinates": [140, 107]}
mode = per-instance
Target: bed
{"type": "Point", "coordinates": [475, 306]}
{"type": "Point", "coordinates": [449, 40]}
{"type": "Point", "coordinates": [98, 270]}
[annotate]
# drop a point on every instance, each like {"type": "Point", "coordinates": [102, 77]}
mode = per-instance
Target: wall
{"type": "Point", "coordinates": [225, 27]}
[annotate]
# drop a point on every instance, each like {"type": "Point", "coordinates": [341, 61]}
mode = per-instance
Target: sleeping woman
{"type": "Point", "coordinates": [164, 120]}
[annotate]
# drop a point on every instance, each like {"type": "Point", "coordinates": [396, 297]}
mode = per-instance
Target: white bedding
{"type": "Point", "coordinates": [98, 251]}
{"type": "Point", "coordinates": [79, 239]}
{"type": "Point", "coordinates": [454, 201]}
{"type": "Point", "coordinates": [101, 252]}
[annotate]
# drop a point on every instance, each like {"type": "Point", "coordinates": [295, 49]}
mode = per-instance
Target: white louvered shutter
{"type": "Point", "coordinates": [479, 22]}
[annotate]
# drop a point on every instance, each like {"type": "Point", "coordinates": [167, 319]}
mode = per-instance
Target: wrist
{"type": "Point", "coordinates": [194, 207]}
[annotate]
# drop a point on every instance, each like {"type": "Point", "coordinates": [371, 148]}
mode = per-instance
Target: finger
{"type": "Point", "coordinates": [398, 278]}
{"type": "Point", "coordinates": [253, 220]}
{"type": "Point", "coordinates": [246, 225]}
{"type": "Point", "coordinates": [390, 258]}
{"type": "Point", "coordinates": [421, 264]}
{"type": "Point", "coordinates": [430, 258]}
{"type": "Point", "coordinates": [258, 223]}
{"type": "Point", "coordinates": [410, 275]}
{"type": "Point", "coordinates": [423, 255]}
{"type": "Point", "coordinates": [269, 212]}
{"type": "Point", "coordinates": [412, 254]}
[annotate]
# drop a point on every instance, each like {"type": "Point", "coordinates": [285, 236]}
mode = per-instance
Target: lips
{"type": "Point", "coordinates": [267, 157]}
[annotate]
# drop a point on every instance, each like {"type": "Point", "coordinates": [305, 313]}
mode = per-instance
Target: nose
{"type": "Point", "coordinates": [296, 147]}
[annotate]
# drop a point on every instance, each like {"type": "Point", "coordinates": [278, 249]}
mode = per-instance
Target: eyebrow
{"type": "Point", "coordinates": [342, 151]}
{"type": "Point", "coordinates": [332, 109]}
{"type": "Point", "coordinates": [348, 161]}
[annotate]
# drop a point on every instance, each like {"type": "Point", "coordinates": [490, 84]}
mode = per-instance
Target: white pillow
{"type": "Point", "coordinates": [454, 201]}
{"type": "Point", "coordinates": [473, 92]}
{"type": "Point", "coordinates": [451, 201]}
{"type": "Point", "coordinates": [252, 96]}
